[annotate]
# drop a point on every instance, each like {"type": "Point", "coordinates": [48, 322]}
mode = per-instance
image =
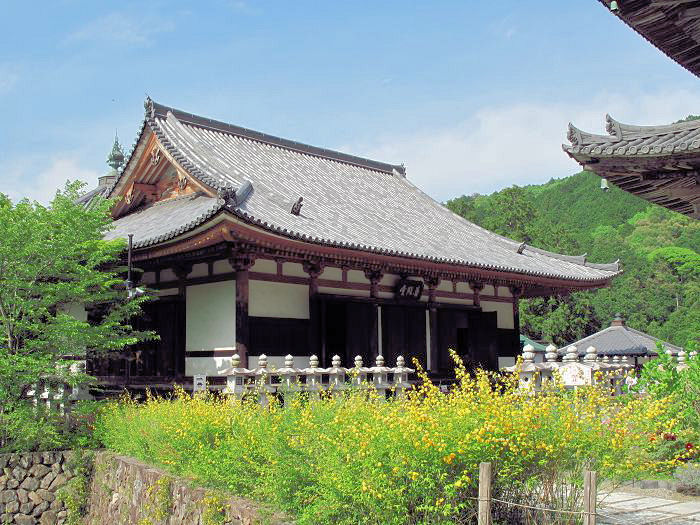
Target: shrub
{"type": "Point", "coordinates": [355, 458]}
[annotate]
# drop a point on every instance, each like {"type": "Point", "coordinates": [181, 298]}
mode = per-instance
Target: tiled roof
{"type": "Point", "coordinates": [348, 201]}
{"type": "Point", "coordinates": [620, 340]}
{"type": "Point", "coordinates": [634, 141]}
{"type": "Point", "coordinates": [165, 219]}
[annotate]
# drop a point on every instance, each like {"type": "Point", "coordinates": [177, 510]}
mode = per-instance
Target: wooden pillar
{"type": "Point", "coordinates": [181, 271]}
{"type": "Point", "coordinates": [374, 276]}
{"type": "Point", "coordinates": [517, 292]}
{"type": "Point", "coordinates": [432, 283]}
{"type": "Point", "coordinates": [314, 269]}
{"type": "Point", "coordinates": [241, 265]}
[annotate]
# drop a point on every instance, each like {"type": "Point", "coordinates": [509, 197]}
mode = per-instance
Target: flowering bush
{"type": "Point", "coordinates": [355, 458]}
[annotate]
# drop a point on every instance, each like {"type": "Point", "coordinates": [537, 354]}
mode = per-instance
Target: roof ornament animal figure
{"type": "Point", "coordinates": [296, 208]}
{"type": "Point", "coordinates": [227, 194]}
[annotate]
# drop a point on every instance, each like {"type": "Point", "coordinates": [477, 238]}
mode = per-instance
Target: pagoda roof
{"type": "Point", "coordinates": [621, 340]}
{"type": "Point", "coordinates": [657, 163]}
{"type": "Point", "coordinates": [670, 25]}
{"type": "Point", "coordinates": [348, 202]}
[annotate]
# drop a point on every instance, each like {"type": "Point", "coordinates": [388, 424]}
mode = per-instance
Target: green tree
{"type": "Point", "coordinates": [53, 260]}
{"type": "Point", "coordinates": [511, 213]}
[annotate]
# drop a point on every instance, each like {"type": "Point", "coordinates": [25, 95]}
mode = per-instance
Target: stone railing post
{"type": "Point", "coordinates": [401, 376]}
{"type": "Point", "coordinates": [359, 372]}
{"type": "Point", "coordinates": [336, 374]}
{"type": "Point", "coordinates": [314, 377]}
{"type": "Point", "coordinates": [380, 376]}
{"type": "Point", "coordinates": [236, 378]}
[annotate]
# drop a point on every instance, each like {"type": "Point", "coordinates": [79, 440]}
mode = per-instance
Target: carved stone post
{"type": "Point", "coordinates": [241, 264]}
{"type": "Point", "coordinates": [432, 284]}
{"type": "Point", "coordinates": [314, 269]}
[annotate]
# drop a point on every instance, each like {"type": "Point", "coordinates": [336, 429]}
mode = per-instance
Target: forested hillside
{"type": "Point", "coordinates": [659, 291]}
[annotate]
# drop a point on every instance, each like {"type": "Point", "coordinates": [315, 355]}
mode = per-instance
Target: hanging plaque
{"type": "Point", "coordinates": [408, 290]}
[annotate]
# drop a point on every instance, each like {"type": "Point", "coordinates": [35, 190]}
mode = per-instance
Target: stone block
{"type": "Point", "coordinates": [22, 496]}
{"type": "Point", "coordinates": [46, 480]}
{"type": "Point", "coordinates": [19, 473]}
{"type": "Point", "coordinates": [26, 508]}
{"type": "Point", "coordinates": [40, 508]}
{"type": "Point", "coordinates": [56, 467]}
{"type": "Point", "coordinates": [12, 507]}
{"type": "Point", "coordinates": [23, 519]}
{"type": "Point", "coordinates": [39, 470]}
{"type": "Point", "coordinates": [49, 518]}
{"type": "Point", "coordinates": [6, 518]}
{"type": "Point", "coordinates": [12, 483]}
{"type": "Point", "coordinates": [48, 458]}
{"type": "Point", "coordinates": [13, 461]}
{"type": "Point", "coordinates": [56, 504]}
{"type": "Point", "coordinates": [58, 481]}
{"type": "Point", "coordinates": [25, 461]}
{"type": "Point", "coordinates": [30, 484]}
{"type": "Point", "coordinates": [6, 496]}
{"type": "Point", "coordinates": [46, 495]}
{"type": "Point", "coordinates": [4, 458]}
{"type": "Point", "coordinates": [33, 496]}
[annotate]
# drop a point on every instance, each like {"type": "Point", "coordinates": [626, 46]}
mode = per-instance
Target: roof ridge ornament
{"type": "Point", "coordinates": [574, 135]}
{"type": "Point", "coordinates": [115, 159]}
{"type": "Point", "coordinates": [296, 208]}
{"type": "Point", "coordinates": [612, 126]}
{"type": "Point", "coordinates": [149, 106]}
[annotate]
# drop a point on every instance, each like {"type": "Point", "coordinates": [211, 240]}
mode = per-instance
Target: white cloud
{"type": "Point", "coordinates": [519, 143]}
{"type": "Point", "coordinates": [122, 29]}
{"type": "Point", "coordinates": [37, 180]}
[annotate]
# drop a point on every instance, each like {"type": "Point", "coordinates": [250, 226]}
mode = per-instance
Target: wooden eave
{"type": "Point", "coordinates": [237, 237]}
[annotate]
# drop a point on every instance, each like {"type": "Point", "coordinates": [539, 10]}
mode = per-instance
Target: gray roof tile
{"type": "Point", "coordinates": [348, 201]}
{"type": "Point", "coordinates": [620, 340]}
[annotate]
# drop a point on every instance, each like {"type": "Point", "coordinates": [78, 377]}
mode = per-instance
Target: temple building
{"type": "Point", "coordinates": [619, 340]}
{"type": "Point", "coordinates": [657, 163]}
{"type": "Point", "coordinates": [257, 244]}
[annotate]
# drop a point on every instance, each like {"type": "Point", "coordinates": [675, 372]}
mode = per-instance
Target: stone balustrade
{"type": "Point", "coordinates": [575, 370]}
{"type": "Point", "coordinates": [312, 379]}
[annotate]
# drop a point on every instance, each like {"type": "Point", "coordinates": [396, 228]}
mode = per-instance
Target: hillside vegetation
{"type": "Point", "coordinates": [659, 291]}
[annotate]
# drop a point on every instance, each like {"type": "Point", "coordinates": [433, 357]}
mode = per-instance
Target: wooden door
{"type": "Point", "coordinates": [403, 333]}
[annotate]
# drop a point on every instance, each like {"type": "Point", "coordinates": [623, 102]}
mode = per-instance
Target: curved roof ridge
{"type": "Point", "coordinates": [154, 109]}
{"type": "Point", "coordinates": [628, 130]}
{"type": "Point", "coordinates": [578, 137]}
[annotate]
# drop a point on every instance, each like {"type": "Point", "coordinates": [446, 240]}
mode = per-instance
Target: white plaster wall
{"type": "Point", "coordinates": [222, 266]}
{"type": "Point", "coordinates": [209, 366]}
{"type": "Point", "coordinates": [199, 270]}
{"type": "Point", "coordinates": [504, 311]}
{"type": "Point", "coordinates": [356, 276]}
{"type": "Point", "coordinates": [504, 291]}
{"type": "Point", "coordinates": [167, 275]}
{"type": "Point", "coordinates": [148, 278]}
{"type": "Point", "coordinates": [445, 285]}
{"type": "Point", "coordinates": [264, 266]}
{"type": "Point", "coordinates": [211, 316]}
{"type": "Point", "coordinates": [332, 274]}
{"type": "Point", "coordinates": [463, 288]}
{"type": "Point", "coordinates": [294, 270]}
{"type": "Point", "coordinates": [284, 300]}
{"type": "Point", "coordinates": [488, 290]}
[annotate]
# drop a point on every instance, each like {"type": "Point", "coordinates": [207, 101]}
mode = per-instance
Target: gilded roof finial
{"type": "Point", "coordinates": [116, 156]}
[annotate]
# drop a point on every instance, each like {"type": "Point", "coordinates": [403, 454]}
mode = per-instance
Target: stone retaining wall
{"type": "Point", "coordinates": [28, 484]}
{"type": "Point", "coordinates": [126, 491]}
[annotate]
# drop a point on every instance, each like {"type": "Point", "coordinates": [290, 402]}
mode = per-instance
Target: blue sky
{"type": "Point", "coordinates": [472, 96]}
